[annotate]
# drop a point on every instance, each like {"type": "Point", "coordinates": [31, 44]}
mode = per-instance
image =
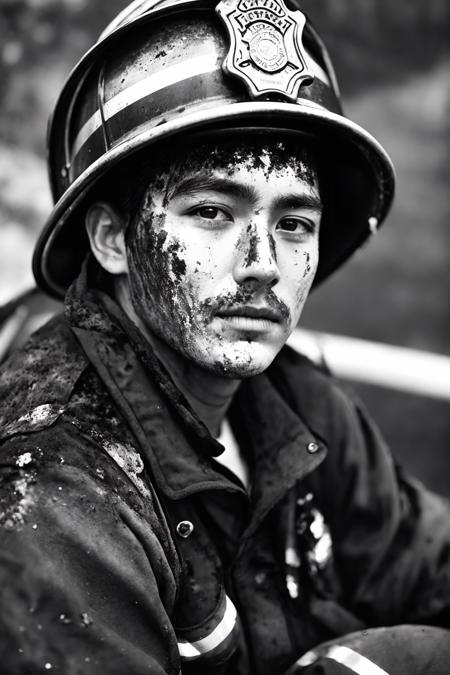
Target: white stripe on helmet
{"type": "Point", "coordinates": [169, 76]}
{"type": "Point", "coordinates": [166, 77]}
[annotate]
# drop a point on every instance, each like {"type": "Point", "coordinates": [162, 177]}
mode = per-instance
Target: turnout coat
{"type": "Point", "coordinates": [125, 547]}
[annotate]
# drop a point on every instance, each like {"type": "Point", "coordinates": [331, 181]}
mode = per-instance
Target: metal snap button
{"type": "Point", "coordinates": [312, 448]}
{"type": "Point", "coordinates": [185, 528]}
{"type": "Point", "coordinates": [260, 578]}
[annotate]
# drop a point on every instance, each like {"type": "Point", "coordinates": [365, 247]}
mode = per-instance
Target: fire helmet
{"type": "Point", "coordinates": [165, 69]}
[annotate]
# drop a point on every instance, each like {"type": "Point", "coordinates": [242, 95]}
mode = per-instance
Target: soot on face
{"type": "Point", "coordinates": [251, 246]}
{"type": "Point", "coordinates": [307, 270]}
{"type": "Point", "coordinates": [157, 272]}
{"type": "Point", "coordinates": [245, 295]}
{"type": "Point", "coordinates": [252, 154]}
{"type": "Point", "coordinates": [164, 291]}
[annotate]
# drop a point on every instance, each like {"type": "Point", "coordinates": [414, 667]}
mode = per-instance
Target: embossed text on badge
{"type": "Point", "coordinates": [266, 50]}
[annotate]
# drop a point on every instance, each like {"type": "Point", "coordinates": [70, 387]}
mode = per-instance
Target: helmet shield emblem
{"type": "Point", "coordinates": [266, 50]}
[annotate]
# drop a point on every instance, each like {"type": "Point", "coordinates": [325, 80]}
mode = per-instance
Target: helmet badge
{"type": "Point", "coordinates": [266, 50]}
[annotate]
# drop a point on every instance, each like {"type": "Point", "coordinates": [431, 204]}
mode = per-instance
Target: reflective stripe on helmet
{"type": "Point", "coordinates": [167, 77]}
{"type": "Point", "coordinates": [345, 656]}
{"type": "Point", "coordinates": [201, 65]}
{"type": "Point", "coordinates": [217, 641]}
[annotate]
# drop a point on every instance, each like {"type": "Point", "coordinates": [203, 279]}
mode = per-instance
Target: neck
{"type": "Point", "coordinates": [208, 394]}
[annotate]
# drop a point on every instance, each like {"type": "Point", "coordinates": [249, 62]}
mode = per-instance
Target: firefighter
{"type": "Point", "coordinates": [180, 492]}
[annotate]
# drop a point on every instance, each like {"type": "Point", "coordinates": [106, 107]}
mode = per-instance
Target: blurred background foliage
{"type": "Point", "coordinates": [392, 62]}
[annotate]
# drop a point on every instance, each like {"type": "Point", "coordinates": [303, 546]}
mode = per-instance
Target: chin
{"type": "Point", "coordinates": [240, 363]}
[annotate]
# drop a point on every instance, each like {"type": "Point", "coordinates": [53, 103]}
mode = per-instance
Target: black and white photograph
{"type": "Point", "coordinates": [224, 337]}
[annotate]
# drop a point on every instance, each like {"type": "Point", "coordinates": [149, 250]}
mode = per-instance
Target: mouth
{"type": "Point", "coordinates": [249, 318]}
{"type": "Point", "coordinates": [266, 313]}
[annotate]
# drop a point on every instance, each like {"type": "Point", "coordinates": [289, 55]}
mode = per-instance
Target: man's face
{"type": "Point", "coordinates": [223, 251]}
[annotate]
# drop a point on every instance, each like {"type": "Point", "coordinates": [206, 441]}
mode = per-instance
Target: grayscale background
{"type": "Point", "coordinates": [393, 63]}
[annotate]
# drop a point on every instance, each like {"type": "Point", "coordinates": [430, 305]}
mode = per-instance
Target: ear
{"type": "Point", "coordinates": [106, 232]}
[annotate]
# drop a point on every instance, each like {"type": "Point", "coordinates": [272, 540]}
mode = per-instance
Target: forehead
{"type": "Point", "coordinates": [229, 155]}
{"type": "Point", "coordinates": [258, 154]}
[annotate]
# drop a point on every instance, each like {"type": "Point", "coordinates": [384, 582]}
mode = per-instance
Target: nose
{"type": "Point", "coordinates": [256, 260]}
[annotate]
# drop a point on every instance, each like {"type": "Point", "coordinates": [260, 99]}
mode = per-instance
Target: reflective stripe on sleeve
{"type": "Point", "coordinates": [193, 650]}
{"type": "Point", "coordinates": [345, 656]}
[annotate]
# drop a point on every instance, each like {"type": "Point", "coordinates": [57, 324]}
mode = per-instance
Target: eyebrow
{"type": "Point", "coordinates": [301, 200]}
{"type": "Point", "coordinates": [199, 183]}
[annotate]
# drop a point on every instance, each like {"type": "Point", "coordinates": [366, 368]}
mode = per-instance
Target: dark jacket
{"type": "Point", "coordinates": [124, 544]}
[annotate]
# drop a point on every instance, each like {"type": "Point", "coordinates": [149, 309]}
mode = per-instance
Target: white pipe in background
{"type": "Point", "coordinates": [401, 368]}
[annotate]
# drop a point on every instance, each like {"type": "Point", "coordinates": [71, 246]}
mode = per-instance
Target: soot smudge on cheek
{"type": "Point", "coordinates": [273, 248]}
{"type": "Point", "coordinates": [306, 281]}
{"type": "Point", "coordinates": [308, 268]}
{"type": "Point", "coordinates": [158, 286]}
{"type": "Point", "coordinates": [177, 264]}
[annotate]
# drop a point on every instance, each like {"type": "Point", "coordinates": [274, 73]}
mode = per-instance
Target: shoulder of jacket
{"type": "Point", "coordinates": [36, 419]}
{"type": "Point", "coordinates": [37, 381]}
{"type": "Point", "coordinates": [49, 446]}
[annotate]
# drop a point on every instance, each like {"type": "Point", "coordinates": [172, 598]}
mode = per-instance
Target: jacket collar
{"type": "Point", "coordinates": [93, 312]}
{"type": "Point", "coordinates": [176, 444]}
{"type": "Point", "coordinates": [280, 440]}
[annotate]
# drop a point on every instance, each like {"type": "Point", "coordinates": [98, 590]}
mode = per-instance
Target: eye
{"type": "Point", "coordinates": [211, 213]}
{"type": "Point", "coordinates": [296, 225]}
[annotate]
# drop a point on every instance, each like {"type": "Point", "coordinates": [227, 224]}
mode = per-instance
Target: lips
{"type": "Point", "coordinates": [263, 313]}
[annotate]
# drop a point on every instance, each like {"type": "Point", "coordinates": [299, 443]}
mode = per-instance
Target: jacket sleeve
{"type": "Point", "coordinates": [85, 584]}
{"type": "Point", "coordinates": [391, 535]}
